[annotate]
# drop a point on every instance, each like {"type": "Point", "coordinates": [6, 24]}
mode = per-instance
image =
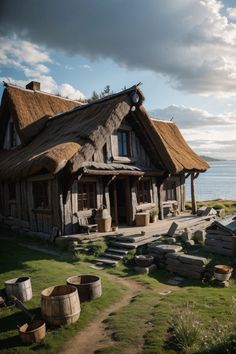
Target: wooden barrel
{"type": "Point", "coordinates": [32, 332]}
{"type": "Point", "coordinates": [89, 286]}
{"type": "Point", "coordinates": [20, 288]}
{"type": "Point", "coordinates": [103, 219]}
{"type": "Point", "coordinates": [60, 305]}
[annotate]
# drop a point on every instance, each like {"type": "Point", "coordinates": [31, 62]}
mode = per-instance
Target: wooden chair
{"type": "Point", "coordinates": [84, 225]}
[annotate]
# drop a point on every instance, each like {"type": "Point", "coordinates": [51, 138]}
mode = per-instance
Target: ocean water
{"type": "Point", "coordinates": [218, 182]}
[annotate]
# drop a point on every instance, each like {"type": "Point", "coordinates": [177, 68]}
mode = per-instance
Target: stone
{"type": "Point", "coordinates": [199, 236]}
{"type": "Point", "coordinates": [189, 242]}
{"type": "Point", "coordinates": [146, 270]}
{"type": "Point", "coordinates": [187, 258]}
{"type": "Point", "coordinates": [175, 281]}
{"type": "Point", "coordinates": [186, 235]}
{"type": "Point", "coordinates": [220, 212]}
{"type": "Point", "coordinates": [173, 228]}
{"type": "Point", "coordinates": [169, 240]}
{"type": "Point", "coordinates": [221, 284]}
{"type": "Point", "coordinates": [162, 249]}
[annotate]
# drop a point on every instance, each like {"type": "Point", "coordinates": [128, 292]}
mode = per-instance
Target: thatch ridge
{"type": "Point", "coordinates": [178, 152]}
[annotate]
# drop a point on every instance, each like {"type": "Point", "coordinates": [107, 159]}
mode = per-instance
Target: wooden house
{"type": "Point", "coordinates": [61, 160]}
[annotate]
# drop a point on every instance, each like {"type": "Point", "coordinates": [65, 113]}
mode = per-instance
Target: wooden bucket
{"type": "Point", "coordinates": [20, 288]}
{"type": "Point", "coordinates": [89, 286]}
{"type": "Point", "coordinates": [60, 305]}
{"type": "Point", "coordinates": [32, 332]}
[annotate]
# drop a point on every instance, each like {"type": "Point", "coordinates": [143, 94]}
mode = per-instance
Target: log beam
{"type": "Point", "coordinates": [193, 198]}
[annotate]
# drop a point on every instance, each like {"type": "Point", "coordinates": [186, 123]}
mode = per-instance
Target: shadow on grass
{"type": "Point", "coordinates": [10, 322]}
{"type": "Point", "coordinates": [10, 342]}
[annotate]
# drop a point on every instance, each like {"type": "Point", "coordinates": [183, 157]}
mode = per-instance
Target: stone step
{"type": "Point", "coordinates": [112, 255]}
{"type": "Point", "coordinates": [130, 245]}
{"type": "Point", "coordinates": [118, 250]}
{"type": "Point", "coordinates": [106, 261]}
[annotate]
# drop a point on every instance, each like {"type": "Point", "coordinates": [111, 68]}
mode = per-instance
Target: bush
{"type": "Point", "coordinates": [218, 206]}
{"type": "Point", "coordinates": [185, 330]}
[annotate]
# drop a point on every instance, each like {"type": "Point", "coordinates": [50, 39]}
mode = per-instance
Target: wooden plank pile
{"type": "Point", "coordinates": [160, 251]}
{"type": "Point", "coordinates": [186, 265]}
{"type": "Point", "coordinates": [219, 237]}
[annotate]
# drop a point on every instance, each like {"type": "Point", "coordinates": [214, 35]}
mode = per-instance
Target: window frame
{"type": "Point", "coordinates": [83, 188]}
{"type": "Point", "coordinates": [143, 194]}
{"type": "Point", "coordinates": [123, 142]}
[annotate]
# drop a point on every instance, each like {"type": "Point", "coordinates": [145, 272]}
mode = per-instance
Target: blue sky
{"type": "Point", "coordinates": [182, 51]}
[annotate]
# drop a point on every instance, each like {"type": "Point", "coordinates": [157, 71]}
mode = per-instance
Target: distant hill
{"type": "Point", "coordinates": [208, 158]}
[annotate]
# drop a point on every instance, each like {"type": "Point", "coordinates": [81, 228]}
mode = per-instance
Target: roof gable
{"type": "Point", "coordinates": [30, 110]}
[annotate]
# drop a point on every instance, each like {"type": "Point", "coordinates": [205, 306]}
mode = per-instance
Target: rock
{"type": "Point", "coordinates": [146, 270]}
{"type": "Point", "coordinates": [187, 258]}
{"type": "Point", "coordinates": [220, 212]}
{"type": "Point", "coordinates": [190, 243]}
{"type": "Point", "coordinates": [162, 249]}
{"type": "Point", "coordinates": [169, 240]}
{"type": "Point", "coordinates": [199, 236]}
{"type": "Point", "coordinates": [186, 235]}
{"type": "Point", "coordinates": [221, 284]}
{"type": "Point", "coordinates": [173, 228]}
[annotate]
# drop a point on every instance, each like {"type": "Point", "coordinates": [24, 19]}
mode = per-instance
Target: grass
{"type": "Point", "coordinates": [228, 205]}
{"type": "Point", "coordinates": [45, 271]}
{"type": "Point", "coordinates": [143, 324]}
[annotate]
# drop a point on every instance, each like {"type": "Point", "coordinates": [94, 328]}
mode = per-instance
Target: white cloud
{"type": "Point", "coordinates": [48, 84]}
{"type": "Point", "coordinates": [86, 66]}
{"type": "Point", "coordinates": [187, 117]}
{"type": "Point", "coordinates": [231, 11]}
{"type": "Point", "coordinates": [31, 59]}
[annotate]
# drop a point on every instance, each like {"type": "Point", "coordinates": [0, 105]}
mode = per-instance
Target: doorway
{"type": "Point", "coordinates": [120, 201]}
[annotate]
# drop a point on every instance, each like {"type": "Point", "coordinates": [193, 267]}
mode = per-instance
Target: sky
{"type": "Point", "coordinates": [183, 52]}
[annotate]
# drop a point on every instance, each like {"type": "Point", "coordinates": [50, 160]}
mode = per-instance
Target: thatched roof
{"type": "Point", "coordinates": [69, 139]}
{"type": "Point", "coordinates": [30, 110]}
{"type": "Point", "coordinates": [178, 154]}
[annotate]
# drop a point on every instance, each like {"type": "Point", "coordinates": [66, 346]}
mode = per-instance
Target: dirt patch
{"type": "Point", "coordinates": [96, 336]}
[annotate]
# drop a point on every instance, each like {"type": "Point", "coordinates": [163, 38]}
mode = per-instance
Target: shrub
{"type": "Point", "coordinates": [218, 206]}
{"type": "Point", "coordinates": [185, 330]}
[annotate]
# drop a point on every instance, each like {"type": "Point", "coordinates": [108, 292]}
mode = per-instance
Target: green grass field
{"type": "Point", "coordinates": [142, 324]}
{"type": "Point", "coordinates": [228, 205]}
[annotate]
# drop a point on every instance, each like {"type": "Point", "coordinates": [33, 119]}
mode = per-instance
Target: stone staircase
{"type": "Point", "coordinates": [120, 245]}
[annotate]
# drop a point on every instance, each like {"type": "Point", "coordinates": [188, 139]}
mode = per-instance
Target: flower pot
{"type": "Point", "coordinates": [222, 272]}
{"type": "Point", "coordinates": [144, 260]}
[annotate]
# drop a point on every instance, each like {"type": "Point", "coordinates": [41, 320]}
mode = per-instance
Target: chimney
{"type": "Point", "coordinates": [33, 85]}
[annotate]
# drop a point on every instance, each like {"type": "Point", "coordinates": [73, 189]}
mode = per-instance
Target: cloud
{"type": "Point", "coordinates": [190, 42]}
{"type": "Point", "coordinates": [48, 84]}
{"type": "Point", "coordinates": [30, 59]}
{"type": "Point", "coordinates": [86, 66]}
{"type": "Point", "coordinates": [188, 117]}
{"type": "Point", "coordinates": [231, 11]}
{"type": "Point", "coordinates": [207, 134]}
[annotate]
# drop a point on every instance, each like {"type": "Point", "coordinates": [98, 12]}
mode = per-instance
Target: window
{"type": "Point", "coordinates": [143, 191]}
{"type": "Point", "coordinates": [123, 143]}
{"type": "Point", "coordinates": [170, 187]}
{"type": "Point", "coordinates": [12, 191]}
{"type": "Point", "coordinates": [40, 194]}
{"type": "Point", "coordinates": [87, 196]}
{"type": "Point", "coordinates": [12, 135]}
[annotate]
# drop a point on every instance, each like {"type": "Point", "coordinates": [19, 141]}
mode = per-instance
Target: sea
{"type": "Point", "coordinates": [218, 182]}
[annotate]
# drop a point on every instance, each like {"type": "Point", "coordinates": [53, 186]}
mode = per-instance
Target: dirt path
{"type": "Point", "coordinates": [95, 336]}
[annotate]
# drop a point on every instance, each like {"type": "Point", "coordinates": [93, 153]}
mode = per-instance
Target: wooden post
{"type": "Point", "coordinates": [193, 199]}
